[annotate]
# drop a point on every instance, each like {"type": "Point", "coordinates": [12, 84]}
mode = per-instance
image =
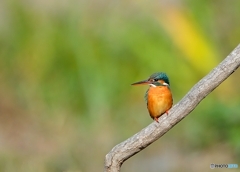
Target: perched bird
{"type": "Point", "coordinates": [158, 96]}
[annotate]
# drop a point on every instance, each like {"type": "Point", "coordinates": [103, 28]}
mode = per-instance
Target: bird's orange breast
{"type": "Point", "coordinates": [159, 100]}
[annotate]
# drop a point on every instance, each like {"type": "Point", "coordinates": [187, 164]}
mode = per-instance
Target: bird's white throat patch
{"type": "Point", "coordinates": [152, 85]}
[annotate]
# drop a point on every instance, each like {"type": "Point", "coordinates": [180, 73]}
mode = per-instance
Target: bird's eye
{"type": "Point", "coordinates": [155, 80]}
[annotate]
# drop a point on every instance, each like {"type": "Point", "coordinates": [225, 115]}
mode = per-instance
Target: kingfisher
{"type": "Point", "coordinates": [158, 96]}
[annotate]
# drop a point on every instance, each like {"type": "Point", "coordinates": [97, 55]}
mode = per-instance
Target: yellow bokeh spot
{"type": "Point", "coordinates": [189, 39]}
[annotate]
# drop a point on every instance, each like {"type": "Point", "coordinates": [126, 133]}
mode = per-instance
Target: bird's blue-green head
{"type": "Point", "coordinates": [156, 79]}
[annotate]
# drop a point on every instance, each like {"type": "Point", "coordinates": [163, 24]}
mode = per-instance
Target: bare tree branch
{"type": "Point", "coordinates": [121, 152]}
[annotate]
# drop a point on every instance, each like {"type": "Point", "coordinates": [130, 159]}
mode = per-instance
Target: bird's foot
{"type": "Point", "coordinates": [167, 112]}
{"type": "Point", "coordinates": [156, 119]}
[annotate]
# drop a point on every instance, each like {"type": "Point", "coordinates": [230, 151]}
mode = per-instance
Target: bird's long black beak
{"type": "Point", "coordinates": [144, 82]}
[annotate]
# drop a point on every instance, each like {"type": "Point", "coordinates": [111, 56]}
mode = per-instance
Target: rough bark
{"type": "Point", "coordinates": [121, 152]}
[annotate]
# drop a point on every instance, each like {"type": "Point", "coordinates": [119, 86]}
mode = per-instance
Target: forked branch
{"type": "Point", "coordinates": [121, 152]}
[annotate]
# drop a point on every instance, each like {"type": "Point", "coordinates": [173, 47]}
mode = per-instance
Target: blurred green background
{"type": "Point", "coordinates": [66, 69]}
